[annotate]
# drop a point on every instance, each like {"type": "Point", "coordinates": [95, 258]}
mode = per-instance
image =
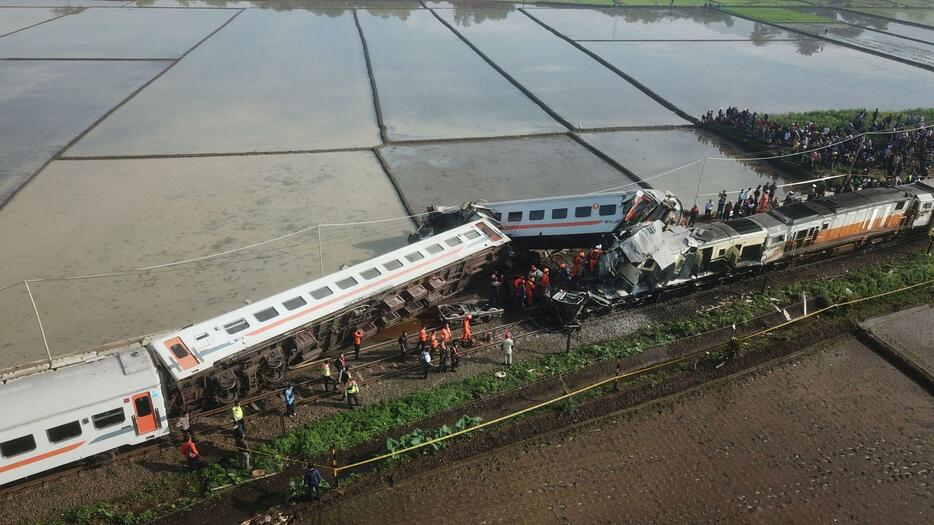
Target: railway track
{"type": "Point", "coordinates": [379, 354]}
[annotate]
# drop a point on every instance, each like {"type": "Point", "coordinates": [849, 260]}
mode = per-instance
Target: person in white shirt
{"type": "Point", "coordinates": [507, 350]}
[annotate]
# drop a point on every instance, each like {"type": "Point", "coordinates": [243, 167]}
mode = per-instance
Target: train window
{"type": "Point", "coordinates": [143, 406]}
{"type": "Point", "coordinates": [344, 284]}
{"type": "Point", "coordinates": [15, 447]}
{"type": "Point", "coordinates": [415, 256]}
{"type": "Point", "coordinates": [801, 234]}
{"type": "Point", "coordinates": [582, 211]}
{"type": "Point", "coordinates": [109, 418]}
{"type": "Point", "coordinates": [900, 205]}
{"type": "Point", "coordinates": [295, 302]}
{"type": "Point", "coordinates": [63, 432]}
{"type": "Point", "coordinates": [560, 213]}
{"type": "Point", "coordinates": [721, 252]}
{"type": "Point", "coordinates": [825, 226]}
{"type": "Point", "coordinates": [927, 206]}
{"type": "Point", "coordinates": [394, 264]}
{"type": "Point", "coordinates": [237, 326]}
{"type": "Point", "coordinates": [489, 232]}
{"type": "Point", "coordinates": [454, 241]}
{"type": "Point", "coordinates": [201, 337]}
{"type": "Point", "coordinates": [536, 215]}
{"type": "Point", "coordinates": [607, 209]}
{"type": "Point", "coordinates": [434, 248]}
{"type": "Point", "coordinates": [497, 216]}
{"type": "Point", "coordinates": [514, 216]}
{"type": "Point", "coordinates": [321, 293]}
{"type": "Point", "coordinates": [370, 274]}
{"type": "Point", "coordinates": [267, 314]}
{"type": "Point", "coordinates": [471, 234]}
{"type": "Point", "coordinates": [179, 351]}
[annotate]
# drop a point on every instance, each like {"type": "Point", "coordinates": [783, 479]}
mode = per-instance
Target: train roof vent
{"type": "Point", "coordinates": [744, 226]}
{"type": "Point", "coordinates": [133, 361]}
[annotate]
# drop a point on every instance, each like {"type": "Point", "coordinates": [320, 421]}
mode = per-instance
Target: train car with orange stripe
{"type": "Point", "coordinates": [244, 351]}
{"type": "Point", "coordinates": [59, 416]}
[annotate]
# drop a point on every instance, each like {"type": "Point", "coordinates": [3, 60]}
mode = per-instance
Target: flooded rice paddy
{"type": "Point", "coordinates": [907, 14]}
{"type": "Point", "coordinates": [116, 33]}
{"type": "Point", "coordinates": [269, 81]}
{"type": "Point", "coordinates": [264, 121]}
{"type": "Point", "coordinates": [781, 76]}
{"type": "Point", "coordinates": [433, 86]}
{"type": "Point", "coordinates": [874, 22]}
{"type": "Point", "coordinates": [454, 173]}
{"type": "Point", "coordinates": [125, 214]}
{"type": "Point", "coordinates": [46, 104]}
{"type": "Point", "coordinates": [652, 153]}
{"type": "Point", "coordinates": [918, 52]}
{"type": "Point", "coordinates": [578, 88]}
{"type": "Point", "coordinates": [16, 18]}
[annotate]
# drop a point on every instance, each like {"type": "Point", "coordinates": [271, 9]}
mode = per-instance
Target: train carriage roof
{"type": "Point", "coordinates": [744, 226]}
{"type": "Point", "coordinates": [800, 212]}
{"type": "Point", "coordinates": [46, 394]}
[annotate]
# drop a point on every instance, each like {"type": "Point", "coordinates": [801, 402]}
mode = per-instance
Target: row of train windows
{"type": "Point", "coordinates": [71, 430]}
{"type": "Point", "coordinates": [561, 213]}
{"type": "Point", "coordinates": [349, 282]}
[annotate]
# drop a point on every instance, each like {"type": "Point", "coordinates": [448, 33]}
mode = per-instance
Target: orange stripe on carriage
{"type": "Point", "coordinates": [40, 457]}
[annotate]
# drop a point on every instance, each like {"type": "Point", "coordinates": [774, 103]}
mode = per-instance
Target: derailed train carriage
{"type": "Point", "coordinates": [657, 257]}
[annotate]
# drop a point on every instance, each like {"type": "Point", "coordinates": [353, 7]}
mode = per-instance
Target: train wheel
{"type": "Point", "coordinates": [225, 387]}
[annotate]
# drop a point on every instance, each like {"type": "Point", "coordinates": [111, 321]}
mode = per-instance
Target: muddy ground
{"type": "Point", "coordinates": [835, 435]}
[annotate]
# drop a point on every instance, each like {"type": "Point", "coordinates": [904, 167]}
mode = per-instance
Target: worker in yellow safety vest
{"type": "Point", "coordinates": [353, 393]}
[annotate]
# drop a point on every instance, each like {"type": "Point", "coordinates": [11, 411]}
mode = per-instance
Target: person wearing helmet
{"type": "Point", "coordinates": [578, 262]}
{"type": "Point", "coordinates": [465, 338]}
{"type": "Point", "coordinates": [564, 277]}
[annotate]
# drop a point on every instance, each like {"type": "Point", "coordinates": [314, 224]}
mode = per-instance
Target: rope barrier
{"type": "Point", "coordinates": [614, 378]}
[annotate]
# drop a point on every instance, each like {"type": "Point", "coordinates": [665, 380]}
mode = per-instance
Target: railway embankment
{"type": "Point", "coordinates": [363, 430]}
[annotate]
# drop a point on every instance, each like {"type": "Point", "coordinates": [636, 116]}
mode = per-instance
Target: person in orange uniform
{"type": "Point", "coordinates": [422, 338]}
{"type": "Point", "coordinates": [446, 333]}
{"type": "Point", "coordinates": [544, 284]}
{"type": "Point", "coordinates": [357, 341]}
{"type": "Point", "coordinates": [434, 342]}
{"type": "Point", "coordinates": [595, 258]}
{"type": "Point", "coordinates": [578, 262]}
{"type": "Point", "coordinates": [465, 338]}
{"type": "Point", "coordinates": [530, 292]}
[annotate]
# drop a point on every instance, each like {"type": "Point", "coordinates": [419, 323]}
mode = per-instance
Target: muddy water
{"type": "Point", "coordinates": [873, 40]}
{"type": "Point", "coordinates": [45, 104]}
{"type": "Point", "coordinates": [655, 24]}
{"type": "Point", "coordinates": [648, 153]}
{"type": "Point", "coordinates": [455, 173]}
{"type": "Point", "coordinates": [269, 81]}
{"type": "Point", "coordinates": [61, 3]}
{"type": "Point", "coordinates": [432, 85]}
{"type": "Point", "coordinates": [769, 77]}
{"type": "Point", "coordinates": [83, 217]}
{"type": "Point", "coordinates": [918, 16]}
{"type": "Point", "coordinates": [15, 18]}
{"type": "Point", "coordinates": [571, 83]}
{"type": "Point", "coordinates": [116, 33]}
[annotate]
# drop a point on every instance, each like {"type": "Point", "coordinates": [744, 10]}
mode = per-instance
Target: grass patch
{"type": "Point", "coordinates": [778, 15]}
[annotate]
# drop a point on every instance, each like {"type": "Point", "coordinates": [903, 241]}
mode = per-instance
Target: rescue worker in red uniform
{"type": "Point", "coordinates": [422, 338]}
{"type": "Point", "coordinates": [434, 342]}
{"type": "Point", "coordinates": [465, 337]}
{"type": "Point", "coordinates": [578, 262]}
{"type": "Point", "coordinates": [529, 292]}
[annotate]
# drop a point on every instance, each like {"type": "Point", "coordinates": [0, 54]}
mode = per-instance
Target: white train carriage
{"type": "Point", "coordinates": [445, 260]}
{"type": "Point", "coordinates": [60, 416]}
{"type": "Point", "coordinates": [580, 220]}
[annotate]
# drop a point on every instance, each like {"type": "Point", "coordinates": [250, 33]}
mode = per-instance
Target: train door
{"type": "Point", "coordinates": [145, 417]}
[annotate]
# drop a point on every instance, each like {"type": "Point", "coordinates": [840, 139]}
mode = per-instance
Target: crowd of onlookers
{"type": "Point", "coordinates": [903, 156]}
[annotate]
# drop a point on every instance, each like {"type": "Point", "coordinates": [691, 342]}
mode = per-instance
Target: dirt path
{"type": "Point", "coordinates": [835, 435]}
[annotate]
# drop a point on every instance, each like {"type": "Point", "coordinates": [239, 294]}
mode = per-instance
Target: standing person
{"type": "Point", "coordinates": [578, 263]}
{"type": "Point", "coordinates": [520, 292]}
{"type": "Point", "coordinates": [403, 345]}
{"type": "Point", "coordinates": [341, 362]}
{"type": "Point", "coordinates": [353, 393]}
{"type": "Point", "coordinates": [693, 216]}
{"type": "Point", "coordinates": [446, 333]}
{"type": "Point", "coordinates": [772, 192]}
{"type": "Point", "coordinates": [312, 481]}
{"type": "Point", "coordinates": [721, 202]}
{"type": "Point", "coordinates": [357, 341]}
{"type": "Point", "coordinates": [242, 449]}
{"type": "Point", "coordinates": [443, 358]}
{"type": "Point", "coordinates": [455, 357]}
{"type": "Point", "coordinates": [326, 378]}
{"type": "Point", "coordinates": [564, 277]}
{"type": "Point", "coordinates": [595, 258]}
{"type": "Point", "coordinates": [757, 193]}
{"type": "Point", "coordinates": [422, 338]}
{"type": "Point", "coordinates": [727, 211]}
{"type": "Point", "coordinates": [435, 342]}
{"type": "Point", "coordinates": [425, 359]}
{"type": "Point", "coordinates": [184, 424]}
{"type": "Point", "coordinates": [507, 349]}
{"type": "Point", "coordinates": [344, 379]}
{"type": "Point", "coordinates": [289, 395]}
{"type": "Point", "coordinates": [496, 284]}
{"type": "Point", "coordinates": [467, 332]}
{"type": "Point", "coordinates": [529, 292]}
{"type": "Point", "coordinates": [544, 284]}
{"type": "Point", "coordinates": [190, 451]}
{"type": "Point", "coordinates": [708, 210]}
{"type": "Point", "coordinates": [535, 273]}
{"type": "Point", "coordinates": [237, 412]}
